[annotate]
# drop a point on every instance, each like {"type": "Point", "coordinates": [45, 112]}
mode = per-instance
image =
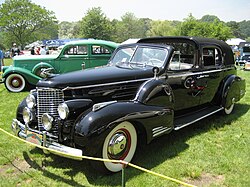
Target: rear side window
{"type": "Point", "coordinates": [98, 49]}
{"type": "Point", "coordinates": [211, 57]}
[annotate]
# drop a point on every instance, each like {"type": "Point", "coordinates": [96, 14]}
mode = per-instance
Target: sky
{"type": "Point", "coordinates": [75, 10]}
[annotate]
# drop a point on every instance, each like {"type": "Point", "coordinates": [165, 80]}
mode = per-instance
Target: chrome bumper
{"type": "Point", "coordinates": [21, 131]}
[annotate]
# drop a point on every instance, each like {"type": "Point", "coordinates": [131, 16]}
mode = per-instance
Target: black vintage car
{"type": "Point", "coordinates": [148, 89]}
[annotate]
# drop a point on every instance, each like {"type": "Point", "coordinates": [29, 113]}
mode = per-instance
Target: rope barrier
{"type": "Point", "coordinates": [101, 159]}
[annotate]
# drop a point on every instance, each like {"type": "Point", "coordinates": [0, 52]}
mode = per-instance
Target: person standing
{"type": "Point", "coordinates": [1, 59]}
{"type": "Point", "coordinates": [15, 50]}
{"type": "Point", "coordinates": [42, 50]}
{"type": "Point", "coordinates": [32, 51]}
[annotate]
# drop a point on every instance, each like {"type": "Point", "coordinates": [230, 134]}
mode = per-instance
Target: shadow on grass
{"type": "Point", "coordinates": [148, 156]}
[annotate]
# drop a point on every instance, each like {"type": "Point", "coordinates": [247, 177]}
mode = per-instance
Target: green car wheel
{"type": "Point", "coordinates": [15, 82]}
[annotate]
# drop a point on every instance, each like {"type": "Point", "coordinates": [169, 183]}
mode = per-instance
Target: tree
{"type": "Point", "coordinates": [69, 29]}
{"type": "Point", "coordinates": [209, 18]}
{"type": "Point", "coordinates": [96, 25]}
{"type": "Point", "coordinates": [235, 29]}
{"type": "Point", "coordinates": [244, 27]}
{"type": "Point", "coordinates": [216, 29]}
{"type": "Point", "coordinates": [161, 28]}
{"type": "Point", "coordinates": [130, 27]}
{"type": "Point", "coordinates": [21, 20]}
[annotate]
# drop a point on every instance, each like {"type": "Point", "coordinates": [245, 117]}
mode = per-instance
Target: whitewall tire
{"type": "Point", "coordinates": [119, 144]}
{"type": "Point", "coordinates": [15, 82]}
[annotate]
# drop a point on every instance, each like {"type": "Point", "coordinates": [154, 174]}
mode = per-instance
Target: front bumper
{"type": "Point", "coordinates": [40, 138]}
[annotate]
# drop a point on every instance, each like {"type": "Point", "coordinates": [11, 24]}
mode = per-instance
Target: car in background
{"type": "Point", "coordinates": [26, 70]}
{"type": "Point", "coordinates": [148, 89]}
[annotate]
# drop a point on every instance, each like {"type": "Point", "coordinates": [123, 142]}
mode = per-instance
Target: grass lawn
{"type": "Point", "coordinates": [212, 152]}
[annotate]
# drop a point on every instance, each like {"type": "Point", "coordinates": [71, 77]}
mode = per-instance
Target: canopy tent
{"type": "Point", "coordinates": [234, 41]}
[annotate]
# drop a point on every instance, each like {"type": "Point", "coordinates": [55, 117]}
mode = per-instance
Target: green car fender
{"type": "Point", "coordinates": [39, 66]}
{"type": "Point", "coordinates": [28, 75]}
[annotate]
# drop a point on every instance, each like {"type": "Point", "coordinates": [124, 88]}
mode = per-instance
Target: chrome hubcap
{"type": "Point", "coordinates": [15, 83]}
{"type": "Point", "coordinates": [117, 145]}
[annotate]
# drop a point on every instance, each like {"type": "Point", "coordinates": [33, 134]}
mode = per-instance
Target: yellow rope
{"type": "Point", "coordinates": [100, 159]}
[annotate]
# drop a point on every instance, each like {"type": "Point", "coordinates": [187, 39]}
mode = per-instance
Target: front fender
{"type": "Point", "coordinates": [94, 124]}
{"type": "Point", "coordinates": [155, 92]}
{"type": "Point", "coordinates": [28, 75]}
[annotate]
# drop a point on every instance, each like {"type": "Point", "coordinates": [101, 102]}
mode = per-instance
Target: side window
{"type": "Point", "coordinates": [98, 49]}
{"type": "Point", "coordinates": [76, 50]}
{"type": "Point", "coordinates": [183, 57]}
{"type": "Point", "coordinates": [181, 62]}
{"type": "Point", "coordinates": [211, 57]}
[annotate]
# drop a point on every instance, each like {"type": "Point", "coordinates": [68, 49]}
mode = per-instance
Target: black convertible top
{"type": "Point", "coordinates": [198, 42]}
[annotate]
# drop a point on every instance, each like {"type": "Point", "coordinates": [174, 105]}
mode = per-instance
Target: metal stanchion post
{"type": "Point", "coordinates": [123, 175]}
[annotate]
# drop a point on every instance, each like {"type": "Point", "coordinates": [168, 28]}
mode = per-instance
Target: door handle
{"type": "Point", "coordinates": [83, 65]}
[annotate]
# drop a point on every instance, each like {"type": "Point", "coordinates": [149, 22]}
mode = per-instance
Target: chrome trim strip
{"type": "Point", "coordinates": [198, 119]}
{"type": "Point", "coordinates": [159, 130]}
{"type": "Point", "coordinates": [199, 73]}
{"type": "Point", "coordinates": [105, 84]}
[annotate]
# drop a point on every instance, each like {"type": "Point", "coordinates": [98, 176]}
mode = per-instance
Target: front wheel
{"type": "Point", "coordinates": [15, 83]}
{"type": "Point", "coordinates": [119, 144]}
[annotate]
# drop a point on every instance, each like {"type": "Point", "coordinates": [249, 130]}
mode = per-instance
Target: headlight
{"type": "Point", "coordinates": [27, 115]}
{"type": "Point", "coordinates": [31, 101]}
{"type": "Point", "coordinates": [47, 121]}
{"type": "Point", "coordinates": [63, 110]}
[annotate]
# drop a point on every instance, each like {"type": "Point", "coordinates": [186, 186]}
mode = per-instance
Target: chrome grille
{"type": "Point", "coordinates": [47, 102]}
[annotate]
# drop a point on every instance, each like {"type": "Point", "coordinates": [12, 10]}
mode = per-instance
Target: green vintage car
{"type": "Point", "coordinates": [26, 71]}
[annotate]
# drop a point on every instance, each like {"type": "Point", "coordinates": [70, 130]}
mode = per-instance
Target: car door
{"type": "Point", "coordinates": [212, 63]}
{"type": "Point", "coordinates": [72, 58]}
{"type": "Point", "coordinates": [182, 76]}
{"type": "Point", "coordinates": [99, 55]}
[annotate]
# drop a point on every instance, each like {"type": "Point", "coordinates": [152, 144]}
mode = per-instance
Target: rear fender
{"type": "Point", "coordinates": [233, 90]}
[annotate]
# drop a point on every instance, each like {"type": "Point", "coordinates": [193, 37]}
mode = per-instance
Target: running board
{"type": "Point", "coordinates": [192, 118]}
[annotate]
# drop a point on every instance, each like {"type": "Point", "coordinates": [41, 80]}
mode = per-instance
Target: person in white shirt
{"type": "Point", "coordinates": [42, 50]}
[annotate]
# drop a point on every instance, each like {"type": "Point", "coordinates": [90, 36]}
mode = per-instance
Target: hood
{"type": "Point", "coordinates": [101, 75]}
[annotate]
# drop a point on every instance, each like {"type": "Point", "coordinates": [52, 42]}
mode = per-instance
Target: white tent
{"type": "Point", "coordinates": [234, 41]}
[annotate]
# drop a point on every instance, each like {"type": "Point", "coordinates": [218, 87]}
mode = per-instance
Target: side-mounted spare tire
{"type": "Point", "coordinates": [38, 69]}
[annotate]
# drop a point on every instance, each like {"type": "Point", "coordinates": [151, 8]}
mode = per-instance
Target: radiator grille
{"type": "Point", "coordinates": [47, 102]}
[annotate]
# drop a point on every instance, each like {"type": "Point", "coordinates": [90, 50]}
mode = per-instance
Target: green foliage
{"type": "Point", "coordinates": [209, 18]}
{"type": "Point", "coordinates": [244, 27]}
{"type": "Point", "coordinates": [161, 28]}
{"type": "Point", "coordinates": [130, 27]}
{"type": "Point", "coordinates": [23, 21]}
{"type": "Point", "coordinates": [235, 27]}
{"type": "Point", "coordinates": [69, 29]}
{"type": "Point", "coordinates": [96, 25]}
{"type": "Point", "coordinates": [215, 29]}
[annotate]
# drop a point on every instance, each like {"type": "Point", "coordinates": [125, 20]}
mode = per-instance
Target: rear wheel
{"type": "Point", "coordinates": [229, 110]}
{"type": "Point", "coordinates": [15, 83]}
{"type": "Point", "coordinates": [119, 144]}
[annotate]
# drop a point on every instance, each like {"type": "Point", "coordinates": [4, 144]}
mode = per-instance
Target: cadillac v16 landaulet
{"type": "Point", "coordinates": [148, 89]}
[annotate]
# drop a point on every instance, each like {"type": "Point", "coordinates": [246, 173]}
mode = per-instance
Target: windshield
{"type": "Point", "coordinates": [140, 56]}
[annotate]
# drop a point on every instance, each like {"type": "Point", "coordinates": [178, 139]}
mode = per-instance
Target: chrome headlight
{"type": "Point", "coordinates": [27, 115]}
{"type": "Point", "coordinates": [47, 121]}
{"type": "Point", "coordinates": [63, 110]}
{"type": "Point", "coordinates": [31, 101]}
